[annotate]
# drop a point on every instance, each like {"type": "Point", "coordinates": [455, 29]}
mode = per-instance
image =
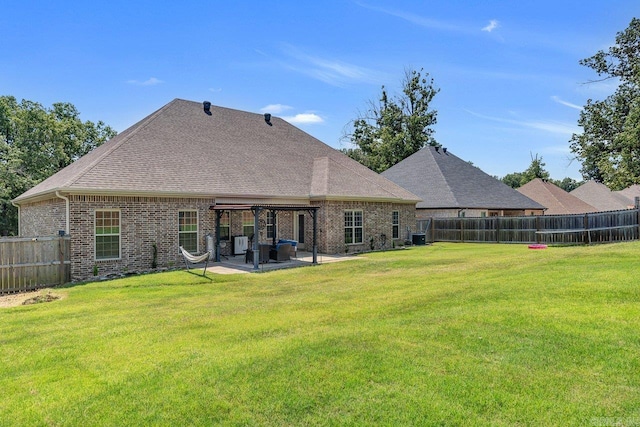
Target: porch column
{"type": "Point", "coordinates": [218, 216]}
{"type": "Point", "coordinates": [314, 215]}
{"type": "Point", "coordinates": [256, 237]}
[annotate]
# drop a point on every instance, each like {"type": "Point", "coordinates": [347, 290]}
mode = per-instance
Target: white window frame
{"type": "Point", "coordinates": [227, 226]}
{"type": "Point", "coordinates": [196, 232]}
{"type": "Point", "coordinates": [395, 224]}
{"type": "Point", "coordinates": [350, 223]}
{"type": "Point", "coordinates": [96, 235]}
{"type": "Point", "coordinates": [245, 223]}
{"type": "Point", "coordinates": [271, 224]}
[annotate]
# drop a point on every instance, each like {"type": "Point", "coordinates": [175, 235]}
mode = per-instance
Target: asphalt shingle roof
{"type": "Point", "coordinates": [555, 199]}
{"type": "Point", "coordinates": [600, 197]}
{"type": "Point", "coordinates": [443, 180]}
{"type": "Point", "coordinates": [181, 151]}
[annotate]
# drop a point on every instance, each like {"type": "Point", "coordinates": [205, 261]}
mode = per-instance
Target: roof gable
{"type": "Point", "coordinates": [443, 180]}
{"type": "Point", "coordinates": [180, 150]}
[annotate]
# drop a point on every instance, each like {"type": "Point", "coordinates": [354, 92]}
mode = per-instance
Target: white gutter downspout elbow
{"type": "Point", "coordinates": [66, 219]}
{"type": "Point", "coordinates": [17, 206]}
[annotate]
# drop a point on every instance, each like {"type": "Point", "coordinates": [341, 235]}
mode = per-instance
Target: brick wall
{"type": "Point", "coordinates": [43, 218]}
{"type": "Point", "coordinates": [377, 220]}
{"type": "Point", "coordinates": [149, 221]}
{"type": "Point", "coordinates": [144, 221]}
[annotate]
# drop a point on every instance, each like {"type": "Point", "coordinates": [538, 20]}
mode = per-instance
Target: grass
{"type": "Point", "coordinates": [449, 334]}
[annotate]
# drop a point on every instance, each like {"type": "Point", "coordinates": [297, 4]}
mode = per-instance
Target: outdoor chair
{"type": "Point", "coordinates": [281, 252]}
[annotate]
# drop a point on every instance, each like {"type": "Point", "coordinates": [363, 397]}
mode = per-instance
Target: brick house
{"type": "Point", "coordinates": [452, 187]}
{"type": "Point", "coordinates": [192, 173]}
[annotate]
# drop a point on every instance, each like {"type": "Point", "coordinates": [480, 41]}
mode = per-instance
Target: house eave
{"type": "Point", "coordinates": [362, 199]}
{"type": "Point", "coordinates": [240, 198]}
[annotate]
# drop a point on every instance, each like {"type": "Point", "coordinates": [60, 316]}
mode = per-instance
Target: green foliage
{"type": "Point", "coordinates": [448, 334]}
{"type": "Point", "coordinates": [609, 146]}
{"type": "Point", "coordinates": [154, 260]}
{"type": "Point", "coordinates": [394, 128]}
{"type": "Point", "coordinates": [568, 184]}
{"type": "Point", "coordinates": [35, 143]}
{"type": "Point", "coordinates": [513, 180]}
{"type": "Point", "coordinates": [535, 170]}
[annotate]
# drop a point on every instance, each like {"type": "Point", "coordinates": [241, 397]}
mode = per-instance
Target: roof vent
{"type": "Point", "coordinates": [437, 149]}
{"type": "Point", "coordinates": [444, 150]}
{"type": "Point", "coordinates": [267, 119]}
{"type": "Point", "coordinates": [207, 107]}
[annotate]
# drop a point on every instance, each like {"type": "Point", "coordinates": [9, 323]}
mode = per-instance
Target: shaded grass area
{"type": "Point", "coordinates": [449, 334]}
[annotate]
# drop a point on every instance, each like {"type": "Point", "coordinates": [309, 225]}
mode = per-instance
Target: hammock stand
{"type": "Point", "coordinates": [195, 259]}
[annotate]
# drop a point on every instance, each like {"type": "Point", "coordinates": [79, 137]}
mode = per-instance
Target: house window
{"type": "Point", "coordinates": [107, 234]}
{"type": "Point", "coordinates": [247, 223]}
{"type": "Point", "coordinates": [395, 224]}
{"type": "Point", "coordinates": [225, 226]}
{"type": "Point", "coordinates": [271, 225]}
{"type": "Point", "coordinates": [352, 227]}
{"type": "Point", "coordinates": [188, 230]}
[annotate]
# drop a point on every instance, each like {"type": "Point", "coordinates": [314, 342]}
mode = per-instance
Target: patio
{"type": "Point", "coordinates": [237, 265]}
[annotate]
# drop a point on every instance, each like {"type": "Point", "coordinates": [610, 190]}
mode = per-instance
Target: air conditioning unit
{"type": "Point", "coordinates": [240, 244]}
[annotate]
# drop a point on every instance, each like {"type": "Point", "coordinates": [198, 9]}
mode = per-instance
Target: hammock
{"type": "Point", "coordinates": [195, 259]}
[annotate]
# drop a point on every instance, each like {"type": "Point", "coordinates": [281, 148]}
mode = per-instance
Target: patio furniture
{"type": "Point", "coordinates": [294, 246]}
{"type": "Point", "coordinates": [195, 259]}
{"type": "Point", "coordinates": [281, 252]}
{"type": "Point", "coordinates": [263, 250]}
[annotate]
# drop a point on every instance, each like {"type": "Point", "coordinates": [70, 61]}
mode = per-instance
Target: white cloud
{"type": "Point", "coordinates": [551, 126]}
{"type": "Point", "coordinates": [150, 82]}
{"type": "Point", "coordinates": [331, 71]}
{"type": "Point", "coordinates": [275, 108]}
{"type": "Point", "coordinates": [304, 118]}
{"type": "Point", "coordinates": [565, 103]}
{"type": "Point", "coordinates": [493, 24]}
{"type": "Point", "coordinates": [414, 19]}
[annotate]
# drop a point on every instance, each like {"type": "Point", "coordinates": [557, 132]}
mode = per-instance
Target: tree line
{"type": "Point", "coordinates": [35, 143]}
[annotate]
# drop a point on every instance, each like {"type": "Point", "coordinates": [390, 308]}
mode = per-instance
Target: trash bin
{"type": "Point", "coordinates": [419, 239]}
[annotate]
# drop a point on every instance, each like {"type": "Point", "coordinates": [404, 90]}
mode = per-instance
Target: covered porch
{"type": "Point", "coordinates": [256, 249]}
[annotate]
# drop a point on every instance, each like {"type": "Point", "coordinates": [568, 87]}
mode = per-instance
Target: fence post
{"type": "Point", "coordinates": [636, 203]}
{"type": "Point", "coordinates": [61, 266]}
{"type": "Point", "coordinates": [433, 229]}
{"type": "Point", "coordinates": [586, 236]}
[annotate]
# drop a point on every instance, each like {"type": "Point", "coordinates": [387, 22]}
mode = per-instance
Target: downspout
{"type": "Point", "coordinates": [66, 202]}
{"type": "Point", "coordinates": [17, 206]}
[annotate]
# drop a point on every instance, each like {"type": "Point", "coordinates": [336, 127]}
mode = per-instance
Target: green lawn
{"type": "Point", "coordinates": [449, 334]}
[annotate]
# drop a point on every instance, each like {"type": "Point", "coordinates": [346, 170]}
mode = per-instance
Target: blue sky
{"type": "Point", "coordinates": [508, 73]}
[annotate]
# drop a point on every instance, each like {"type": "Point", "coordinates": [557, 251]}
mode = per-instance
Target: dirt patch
{"type": "Point", "coordinates": [25, 298]}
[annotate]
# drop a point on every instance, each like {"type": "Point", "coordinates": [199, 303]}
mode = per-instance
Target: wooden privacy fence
{"type": "Point", "coordinates": [597, 227]}
{"type": "Point", "coordinates": [32, 263]}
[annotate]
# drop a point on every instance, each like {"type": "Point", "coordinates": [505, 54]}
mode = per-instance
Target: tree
{"type": "Point", "coordinates": [609, 146]}
{"type": "Point", "coordinates": [568, 184]}
{"type": "Point", "coordinates": [513, 180]}
{"type": "Point", "coordinates": [535, 170]}
{"type": "Point", "coordinates": [35, 143]}
{"type": "Point", "coordinates": [395, 128]}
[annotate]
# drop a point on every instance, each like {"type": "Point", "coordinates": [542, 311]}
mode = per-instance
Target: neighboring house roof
{"type": "Point", "coordinates": [181, 151]}
{"type": "Point", "coordinates": [557, 201]}
{"type": "Point", "coordinates": [443, 180]}
{"type": "Point", "coordinates": [631, 192]}
{"type": "Point", "coordinates": [600, 197]}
